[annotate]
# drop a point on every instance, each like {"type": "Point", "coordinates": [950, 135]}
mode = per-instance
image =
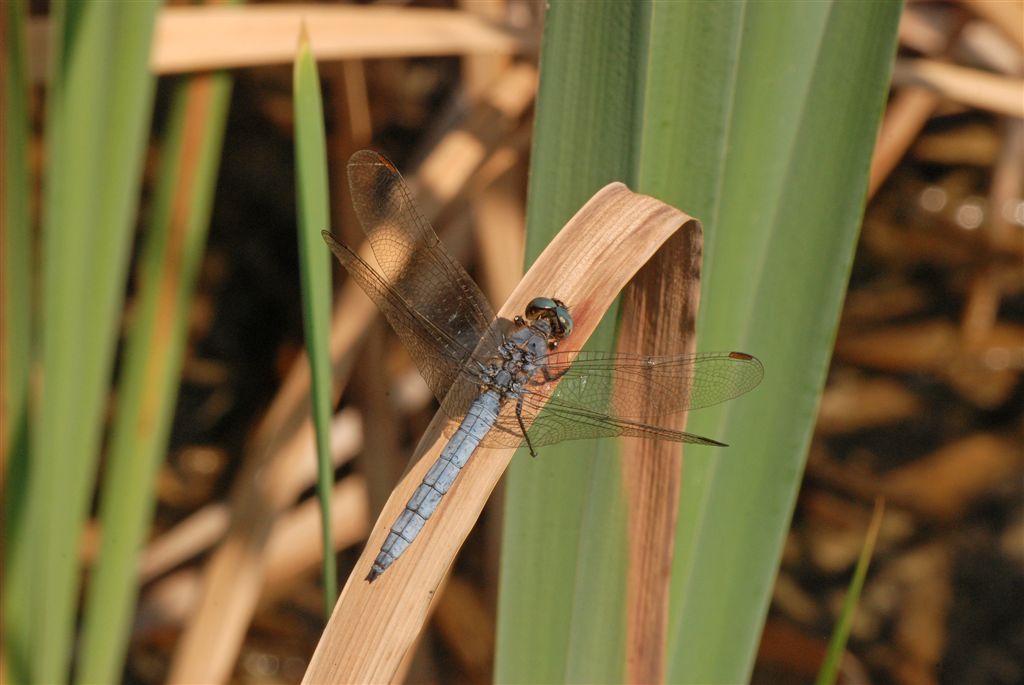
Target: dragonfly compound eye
{"type": "Point", "coordinates": [540, 306]}
{"type": "Point", "coordinates": [555, 312]}
{"type": "Point", "coordinates": [562, 320]}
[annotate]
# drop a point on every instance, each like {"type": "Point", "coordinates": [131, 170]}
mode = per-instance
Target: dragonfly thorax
{"type": "Point", "coordinates": [520, 356]}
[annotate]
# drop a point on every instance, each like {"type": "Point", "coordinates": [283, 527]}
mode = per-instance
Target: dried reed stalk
{"type": "Point", "coordinates": [659, 315]}
{"type": "Point", "coordinates": [972, 87]}
{"type": "Point", "coordinates": [189, 39]}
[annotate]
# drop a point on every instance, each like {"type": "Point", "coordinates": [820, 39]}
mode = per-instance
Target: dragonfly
{"type": "Point", "coordinates": [505, 382]}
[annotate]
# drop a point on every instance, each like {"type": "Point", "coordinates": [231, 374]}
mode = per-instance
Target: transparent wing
{"type": "Point", "coordinates": [438, 356]}
{"type": "Point", "coordinates": [434, 306]}
{"type": "Point", "coordinates": [607, 395]}
{"type": "Point", "coordinates": [412, 258]}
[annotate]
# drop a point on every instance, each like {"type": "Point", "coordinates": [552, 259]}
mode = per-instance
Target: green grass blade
{"type": "Point", "coordinates": [16, 291]}
{"type": "Point", "coordinates": [314, 263]}
{"type": "Point", "coordinates": [837, 645]}
{"type": "Point", "coordinates": [98, 106]}
{"type": "Point", "coordinates": [552, 584]}
{"type": "Point", "coordinates": [805, 95]}
{"type": "Point", "coordinates": [729, 111]}
{"type": "Point", "coordinates": [16, 236]}
{"type": "Point", "coordinates": [152, 364]}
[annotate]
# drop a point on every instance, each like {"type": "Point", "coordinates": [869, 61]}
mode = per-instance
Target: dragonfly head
{"type": "Point", "coordinates": [554, 312]}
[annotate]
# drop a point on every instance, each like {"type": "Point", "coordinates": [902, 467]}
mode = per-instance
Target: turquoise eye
{"type": "Point", "coordinates": [555, 312]}
{"type": "Point", "coordinates": [564, 321]}
{"type": "Point", "coordinates": [539, 305]}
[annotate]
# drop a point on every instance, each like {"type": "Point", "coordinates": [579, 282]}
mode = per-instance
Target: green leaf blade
{"type": "Point", "coordinates": [779, 260]}
{"type": "Point", "coordinates": [837, 643]}
{"type": "Point", "coordinates": [100, 76]}
{"type": "Point", "coordinates": [154, 354]}
{"type": "Point", "coordinates": [553, 584]}
{"type": "Point", "coordinates": [758, 118]}
{"type": "Point", "coordinates": [17, 290]}
{"type": "Point", "coordinates": [314, 263]}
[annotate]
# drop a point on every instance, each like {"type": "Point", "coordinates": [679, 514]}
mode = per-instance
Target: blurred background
{"type": "Point", "coordinates": [923, 405]}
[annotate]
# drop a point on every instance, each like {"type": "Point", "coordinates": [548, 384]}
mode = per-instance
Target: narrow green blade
{"type": "Point", "coordinates": [153, 358]}
{"type": "Point", "coordinates": [564, 510]}
{"type": "Point", "coordinates": [837, 644]}
{"type": "Point", "coordinates": [314, 262]}
{"type": "Point", "coordinates": [16, 289]}
{"type": "Point", "coordinates": [16, 236]}
{"type": "Point", "coordinates": [98, 106]}
{"type": "Point", "coordinates": [805, 95]}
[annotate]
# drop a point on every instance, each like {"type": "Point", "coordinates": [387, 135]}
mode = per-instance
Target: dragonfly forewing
{"type": "Point", "coordinates": [438, 356]}
{"type": "Point", "coordinates": [412, 259]}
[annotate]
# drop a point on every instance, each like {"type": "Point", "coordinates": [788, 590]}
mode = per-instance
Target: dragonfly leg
{"type": "Point", "coordinates": [548, 376]}
{"type": "Point", "coordinates": [522, 426]}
